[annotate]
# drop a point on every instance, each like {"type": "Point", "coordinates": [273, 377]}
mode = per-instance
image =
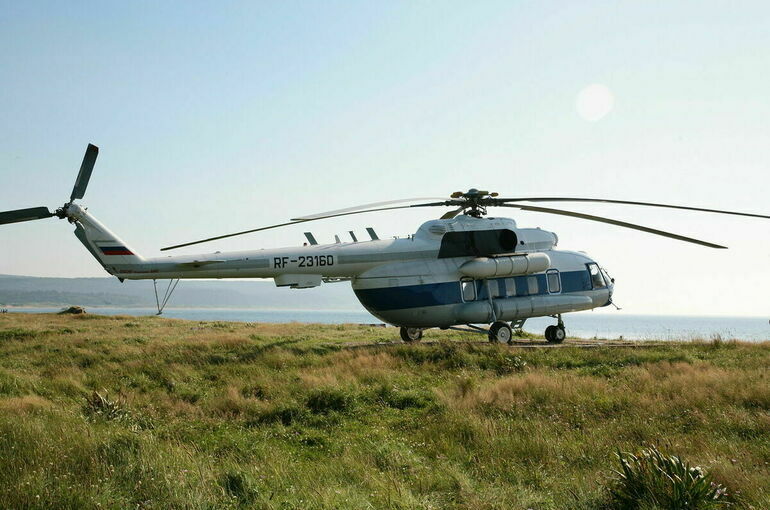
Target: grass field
{"type": "Point", "coordinates": [233, 415]}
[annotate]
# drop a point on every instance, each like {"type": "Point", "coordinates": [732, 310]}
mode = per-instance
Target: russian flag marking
{"type": "Point", "coordinates": [115, 250]}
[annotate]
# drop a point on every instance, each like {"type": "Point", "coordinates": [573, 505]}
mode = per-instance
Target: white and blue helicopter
{"type": "Point", "coordinates": [465, 268]}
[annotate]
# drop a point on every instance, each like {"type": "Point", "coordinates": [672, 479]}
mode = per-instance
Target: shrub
{"type": "Point", "coordinates": [101, 406]}
{"type": "Point", "coordinates": [654, 480]}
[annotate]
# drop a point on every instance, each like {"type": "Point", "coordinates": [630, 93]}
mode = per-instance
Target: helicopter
{"type": "Point", "coordinates": [465, 268]}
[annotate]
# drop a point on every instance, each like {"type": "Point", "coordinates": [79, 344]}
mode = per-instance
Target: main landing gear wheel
{"type": "Point", "coordinates": [500, 332]}
{"type": "Point", "coordinates": [410, 335]}
{"type": "Point", "coordinates": [555, 334]}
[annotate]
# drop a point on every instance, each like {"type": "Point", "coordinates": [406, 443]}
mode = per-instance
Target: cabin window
{"type": "Point", "coordinates": [554, 282]}
{"type": "Point", "coordinates": [481, 290]}
{"type": "Point", "coordinates": [532, 286]}
{"type": "Point", "coordinates": [494, 288]}
{"type": "Point", "coordinates": [510, 287]}
{"type": "Point", "coordinates": [468, 288]}
{"type": "Point", "coordinates": [597, 281]}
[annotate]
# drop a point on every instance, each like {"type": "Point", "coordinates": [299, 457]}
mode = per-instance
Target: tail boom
{"type": "Point", "coordinates": [109, 250]}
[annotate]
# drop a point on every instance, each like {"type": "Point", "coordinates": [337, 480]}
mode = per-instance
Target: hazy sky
{"type": "Point", "coordinates": [212, 119]}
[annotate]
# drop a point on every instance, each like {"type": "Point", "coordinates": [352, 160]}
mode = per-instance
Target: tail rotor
{"type": "Point", "coordinates": [78, 191]}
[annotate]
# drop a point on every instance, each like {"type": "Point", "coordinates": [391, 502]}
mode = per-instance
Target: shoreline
{"type": "Point", "coordinates": [362, 310]}
{"type": "Point", "coordinates": [607, 328]}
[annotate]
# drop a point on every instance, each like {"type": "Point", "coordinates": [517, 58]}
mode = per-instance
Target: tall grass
{"type": "Point", "coordinates": [127, 412]}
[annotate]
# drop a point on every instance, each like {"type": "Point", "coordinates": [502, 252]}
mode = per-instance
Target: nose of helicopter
{"type": "Point", "coordinates": [610, 284]}
{"type": "Point", "coordinates": [601, 281]}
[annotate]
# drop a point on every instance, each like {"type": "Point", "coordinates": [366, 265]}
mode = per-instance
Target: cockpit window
{"type": "Point", "coordinates": [597, 281]}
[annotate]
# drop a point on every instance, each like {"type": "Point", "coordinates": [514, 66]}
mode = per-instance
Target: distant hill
{"type": "Point", "coordinates": [35, 291]}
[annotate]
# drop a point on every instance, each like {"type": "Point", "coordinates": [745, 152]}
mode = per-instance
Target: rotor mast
{"type": "Point", "coordinates": [474, 201]}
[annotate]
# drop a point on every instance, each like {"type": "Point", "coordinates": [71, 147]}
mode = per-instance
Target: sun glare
{"type": "Point", "coordinates": [594, 102]}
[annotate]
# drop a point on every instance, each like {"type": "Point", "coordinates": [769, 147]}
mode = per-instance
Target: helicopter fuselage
{"type": "Point", "coordinates": [463, 270]}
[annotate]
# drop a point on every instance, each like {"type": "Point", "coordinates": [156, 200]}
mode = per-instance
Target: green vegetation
{"type": "Point", "coordinates": [654, 480]}
{"type": "Point", "coordinates": [126, 412]}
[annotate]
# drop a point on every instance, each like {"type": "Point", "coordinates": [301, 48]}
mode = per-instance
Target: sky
{"type": "Point", "coordinates": [215, 119]}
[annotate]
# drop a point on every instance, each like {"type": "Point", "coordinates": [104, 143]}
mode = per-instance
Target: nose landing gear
{"type": "Point", "coordinates": [556, 334]}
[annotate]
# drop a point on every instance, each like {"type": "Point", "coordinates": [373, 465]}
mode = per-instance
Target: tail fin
{"type": "Point", "coordinates": [111, 252]}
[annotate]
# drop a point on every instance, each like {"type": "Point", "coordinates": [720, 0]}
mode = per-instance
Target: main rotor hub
{"type": "Point", "coordinates": [61, 212]}
{"type": "Point", "coordinates": [474, 202]}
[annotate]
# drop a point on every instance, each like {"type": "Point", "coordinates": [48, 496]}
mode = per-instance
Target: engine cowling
{"type": "Point", "coordinates": [492, 267]}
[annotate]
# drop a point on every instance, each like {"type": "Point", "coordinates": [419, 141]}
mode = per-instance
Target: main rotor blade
{"type": "Point", "coordinates": [451, 214]}
{"type": "Point", "coordinates": [627, 202]}
{"type": "Point", "coordinates": [293, 222]}
{"type": "Point", "coordinates": [361, 208]}
{"type": "Point", "coordinates": [618, 223]}
{"type": "Point", "coordinates": [19, 215]}
{"type": "Point", "coordinates": [81, 183]}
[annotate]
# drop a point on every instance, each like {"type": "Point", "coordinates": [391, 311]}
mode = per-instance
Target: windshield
{"type": "Point", "coordinates": [607, 276]}
{"type": "Point", "coordinates": [597, 280]}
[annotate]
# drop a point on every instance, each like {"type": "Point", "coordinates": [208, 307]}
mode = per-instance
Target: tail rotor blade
{"type": "Point", "coordinates": [19, 215]}
{"type": "Point", "coordinates": [81, 183]}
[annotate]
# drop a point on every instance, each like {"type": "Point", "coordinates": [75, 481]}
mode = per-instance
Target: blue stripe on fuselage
{"type": "Point", "coordinates": [447, 293]}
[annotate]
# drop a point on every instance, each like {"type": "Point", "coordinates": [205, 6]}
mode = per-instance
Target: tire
{"type": "Point", "coordinates": [410, 335]}
{"type": "Point", "coordinates": [500, 333]}
{"type": "Point", "coordinates": [555, 334]}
